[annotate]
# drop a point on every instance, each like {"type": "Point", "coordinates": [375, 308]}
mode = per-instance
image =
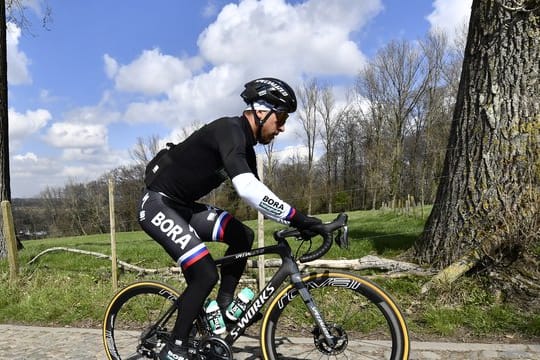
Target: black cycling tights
{"type": "Point", "coordinates": [181, 230]}
{"type": "Point", "coordinates": [201, 278]}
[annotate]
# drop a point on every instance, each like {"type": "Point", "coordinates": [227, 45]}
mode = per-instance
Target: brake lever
{"type": "Point", "coordinates": [342, 237]}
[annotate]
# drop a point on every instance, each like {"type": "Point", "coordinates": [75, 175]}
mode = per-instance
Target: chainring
{"type": "Point", "coordinates": [214, 348]}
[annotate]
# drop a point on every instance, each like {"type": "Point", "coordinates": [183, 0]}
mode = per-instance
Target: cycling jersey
{"type": "Point", "coordinates": [220, 149]}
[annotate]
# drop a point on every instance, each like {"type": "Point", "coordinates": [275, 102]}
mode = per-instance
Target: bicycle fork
{"type": "Point", "coordinates": [302, 289]}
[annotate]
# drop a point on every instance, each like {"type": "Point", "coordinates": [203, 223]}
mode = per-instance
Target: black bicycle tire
{"type": "Point", "coordinates": [121, 298]}
{"type": "Point", "coordinates": [366, 288]}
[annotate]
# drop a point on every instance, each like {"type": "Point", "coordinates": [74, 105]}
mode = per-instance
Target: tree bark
{"type": "Point", "coordinates": [487, 201]}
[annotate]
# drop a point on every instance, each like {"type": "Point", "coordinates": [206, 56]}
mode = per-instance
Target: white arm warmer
{"type": "Point", "coordinates": [259, 196]}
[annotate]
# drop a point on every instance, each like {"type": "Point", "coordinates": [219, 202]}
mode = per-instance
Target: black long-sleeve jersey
{"type": "Point", "coordinates": [199, 164]}
{"type": "Point", "coordinates": [220, 149]}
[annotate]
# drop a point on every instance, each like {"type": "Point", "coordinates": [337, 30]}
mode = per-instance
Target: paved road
{"type": "Point", "coordinates": [39, 343]}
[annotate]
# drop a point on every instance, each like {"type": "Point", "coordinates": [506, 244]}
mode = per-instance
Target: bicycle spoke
{"type": "Point", "coordinates": [141, 312]}
{"type": "Point", "coordinates": [361, 322]}
{"type": "Point", "coordinates": [135, 323]}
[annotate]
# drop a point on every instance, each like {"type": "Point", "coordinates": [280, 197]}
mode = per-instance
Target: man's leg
{"type": "Point", "coordinates": [161, 219]}
{"type": "Point", "coordinates": [239, 238]}
{"type": "Point", "coordinates": [213, 224]}
{"type": "Point", "coordinates": [201, 277]}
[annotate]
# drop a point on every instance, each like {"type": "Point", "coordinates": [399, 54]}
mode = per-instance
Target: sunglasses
{"type": "Point", "coordinates": [281, 117]}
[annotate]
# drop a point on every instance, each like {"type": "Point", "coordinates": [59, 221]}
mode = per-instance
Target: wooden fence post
{"type": "Point", "coordinates": [11, 240]}
{"type": "Point", "coordinates": [260, 231]}
{"type": "Point", "coordinates": [114, 260]}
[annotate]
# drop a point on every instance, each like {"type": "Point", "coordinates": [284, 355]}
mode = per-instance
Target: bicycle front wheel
{"type": "Point", "coordinates": [138, 319]}
{"type": "Point", "coordinates": [364, 321]}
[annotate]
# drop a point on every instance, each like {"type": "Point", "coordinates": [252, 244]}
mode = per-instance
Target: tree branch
{"type": "Point", "coordinates": [121, 264]}
{"type": "Point", "coordinates": [364, 263]}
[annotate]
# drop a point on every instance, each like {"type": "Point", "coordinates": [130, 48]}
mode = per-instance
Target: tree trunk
{"type": "Point", "coordinates": [487, 201]}
{"type": "Point", "coordinates": [5, 190]}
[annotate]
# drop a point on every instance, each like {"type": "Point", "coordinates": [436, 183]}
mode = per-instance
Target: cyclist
{"type": "Point", "coordinates": [179, 175]}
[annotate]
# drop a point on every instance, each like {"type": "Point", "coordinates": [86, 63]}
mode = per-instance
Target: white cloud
{"type": "Point", "coordinates": [69, 135]}
{"type": "Point", "coordinates": [22, 125]}
{"type": "Point", "coordinates": [30, 156]}
{"type": "Point", "coordinates": [293, 153]}
{"type": "Point", "coordinates": [247, 40]}
{"type": "Point", "coordinates": [211, 9]}
{"type": "Point", "coordinates": [75, 171]}
{"type": "Point", "coordinates": [111, 66]}
{"type": "Point", "coordinates": [18, 62]}
{"type": "Point", "coordinates": [45, 96]}
{"type": "Point", "coordinates": [31, 173]}
{"type": "Point", "coordinates": [151, 73]}
{"type": "Point", "coordinates": [280, 38]}
{"type": "Point", "coordinates": [30, 165]}
{"type": "Point", "coordinates": [98, 114]}
{"type": "Point", "coordinates": [199, 99]}
{"type": "Point", "coordinates": [449, 16]}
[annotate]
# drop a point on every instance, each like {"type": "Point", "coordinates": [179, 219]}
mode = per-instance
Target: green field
{"type": "Point", "coordinates": [62, 288]}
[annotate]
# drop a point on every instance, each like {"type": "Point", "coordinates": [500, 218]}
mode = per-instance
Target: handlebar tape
{"type": "Point", "coordinates": [325, 230]}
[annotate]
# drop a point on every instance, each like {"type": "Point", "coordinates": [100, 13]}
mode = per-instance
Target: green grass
{"type": "Point", "coordinates": [63, 288]}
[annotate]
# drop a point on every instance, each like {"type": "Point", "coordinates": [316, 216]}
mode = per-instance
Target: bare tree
{"type": "Point", "coordinates": [270, 164]}
{"type": "Point", "coordinates": [308, 96]}
{"type": "Point", "coordinates": [403, 82]}
{"type": "Point", "coordinates": [486, 211]}
{"type": "Point", "coordinates": [330, 120]}
{"type": "Point", "coordinates": [375, 134]}
{"type": "Point", "coordinates": [432, 120]}
{"type": "Point", "coordinates": [145, 149]}
{"type": "Point", "coordinates": [349, 153]}
{"type": "Point", "coordinates": [393, 84]}
{"type": "Point", "coordinates": [128, 185]}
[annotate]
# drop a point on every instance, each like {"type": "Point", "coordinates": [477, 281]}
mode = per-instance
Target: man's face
{"type": "Point", "coordinates": [273, 125]}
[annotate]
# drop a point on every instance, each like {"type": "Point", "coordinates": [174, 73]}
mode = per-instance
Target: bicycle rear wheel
{"type": "Point", "coordinates": [137, 319]}
{"type": "Point", "coordinates": [363, 320]}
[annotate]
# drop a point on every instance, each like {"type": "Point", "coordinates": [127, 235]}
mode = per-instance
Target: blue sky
{"type": "Point", "coordinates": [105, 73]}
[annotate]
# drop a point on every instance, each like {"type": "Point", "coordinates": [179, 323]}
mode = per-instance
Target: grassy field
{"type": "Point", "coordinates": [70, 289]}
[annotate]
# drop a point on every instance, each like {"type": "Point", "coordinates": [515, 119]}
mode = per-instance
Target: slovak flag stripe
{"type": "Point", "coordinates": [219, 227]}
{"type": "Point", "coordinates": [192, 256]}
{"type": "Point", "coordinates": [291, 213]}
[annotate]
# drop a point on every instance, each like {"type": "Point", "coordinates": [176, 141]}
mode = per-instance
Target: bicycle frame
{"type": "Point", "coordinates": [288, 268]}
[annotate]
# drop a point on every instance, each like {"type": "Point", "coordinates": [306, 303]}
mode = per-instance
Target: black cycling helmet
{"type": "Point", "coordinates": [273, 91]}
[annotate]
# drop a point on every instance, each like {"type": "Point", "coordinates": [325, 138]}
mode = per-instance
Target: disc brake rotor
{"type": "Point", "coordinates": [338, 335]}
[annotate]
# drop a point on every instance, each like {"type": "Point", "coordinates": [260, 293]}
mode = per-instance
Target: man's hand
{"type": "Point", "coordinates": [304, 222]}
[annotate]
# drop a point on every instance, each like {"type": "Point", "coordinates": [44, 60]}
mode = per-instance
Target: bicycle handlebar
{"type": "Point", "coordinates": [325, 230]}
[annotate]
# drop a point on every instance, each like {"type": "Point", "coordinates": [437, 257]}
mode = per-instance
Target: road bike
{"type": "Point", "coordinates": [318, 315]}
